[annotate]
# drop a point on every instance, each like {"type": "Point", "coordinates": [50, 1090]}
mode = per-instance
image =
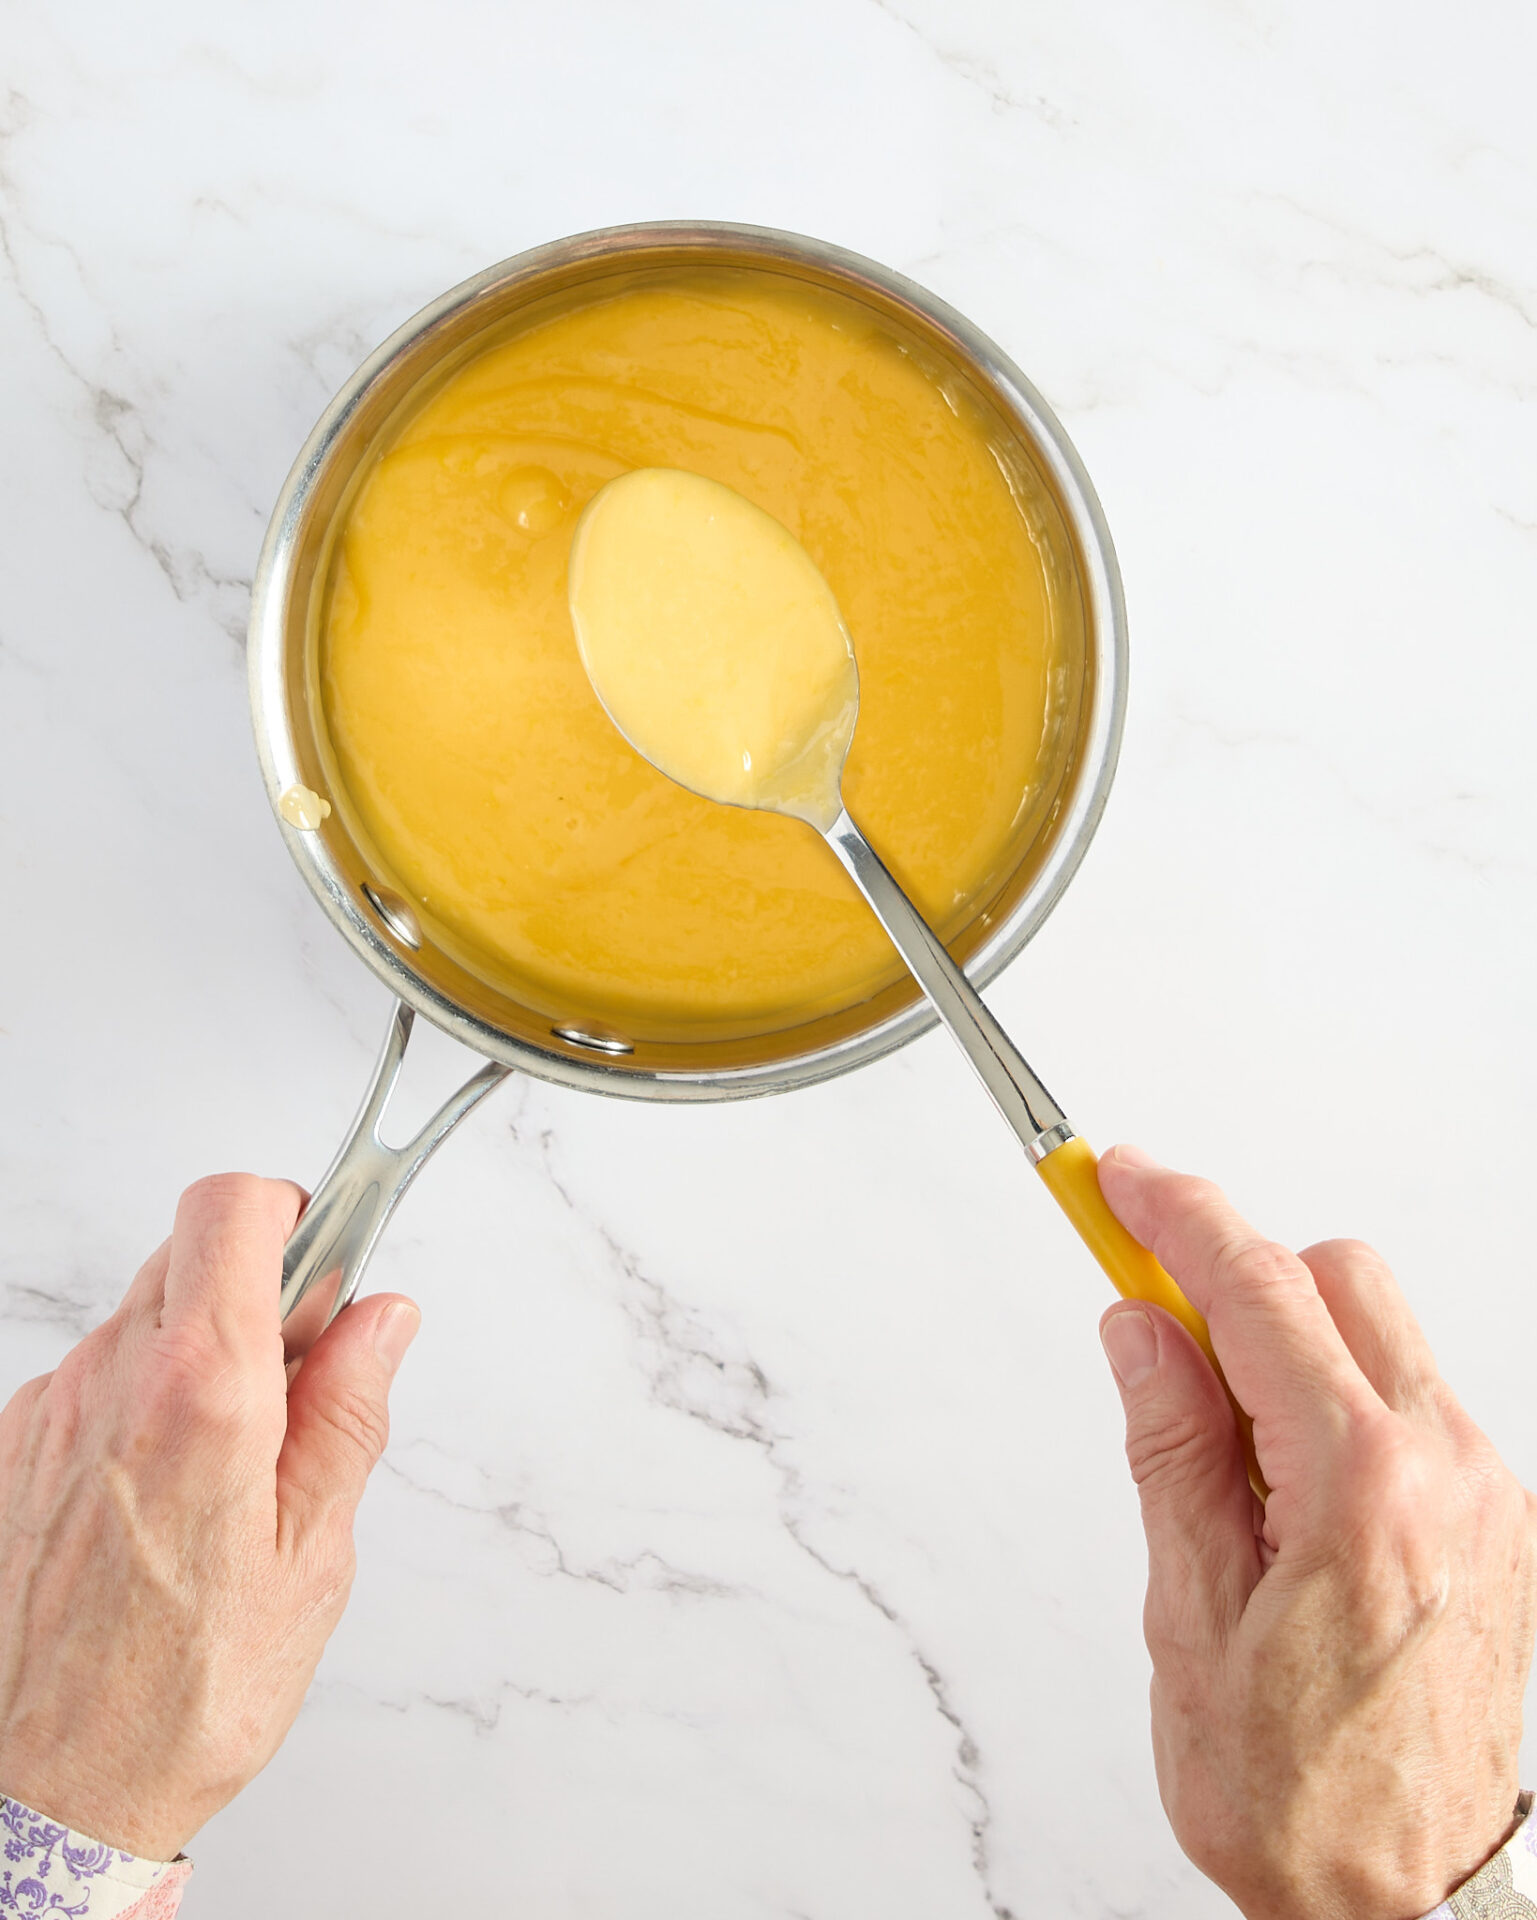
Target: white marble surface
{"type": "Point", "coordinates": [711, 1578]}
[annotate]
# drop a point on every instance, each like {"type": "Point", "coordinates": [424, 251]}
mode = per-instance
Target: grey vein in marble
{"type": "Point", "coordinates": [689, 1353]}
{"type": "Point", "coordinates": [645, 1571]}
{"type": "Point", "coordinates": [119, 421]}
{"type": "Point", "coordinates": [976, 70]}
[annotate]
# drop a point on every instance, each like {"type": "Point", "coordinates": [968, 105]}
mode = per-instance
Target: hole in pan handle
{"type": "Point", "coordinates": [329, 1248]}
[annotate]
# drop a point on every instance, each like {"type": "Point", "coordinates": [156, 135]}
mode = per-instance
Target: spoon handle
{"type": "Point", "coordinates": [1015, 1088]}
{"type": "Point", "coordinates": [1065, 1163]}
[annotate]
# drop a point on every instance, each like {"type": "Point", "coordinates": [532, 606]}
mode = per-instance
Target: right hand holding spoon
{"type": "Point", "coordinates": [1337, 1695]}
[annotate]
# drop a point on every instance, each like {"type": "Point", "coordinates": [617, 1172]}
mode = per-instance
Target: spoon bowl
{"type": "Point", "coordinates": [714, 644]}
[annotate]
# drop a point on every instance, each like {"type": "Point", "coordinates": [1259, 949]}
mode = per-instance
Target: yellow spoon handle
{"type": "Point", "coordinates": [1072, 1179]}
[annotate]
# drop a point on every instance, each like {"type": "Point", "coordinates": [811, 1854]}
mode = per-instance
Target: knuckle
{"type": "Point", "coordinates": [1349, 1264]}
{"type": "Point", "coordinates": [1253, 1265]}
{"type": "Point", "coordinates": [221, 1196]}
{"type": "Point", "coordinates": [1398, 1568]}
{"type": "Point", "coordinates": [1253, 1270]}
{"type": "Point", "coordinates": [1398, 1475]}
{"type": "Point", "coordinates": [1351, 1261]}
{"type": "Point", "coordinates": [79, 1385]}
{"type": "Point", "coordinates": [223, 1192]}
{"type": "Point", "coordinates": [76, 1370]}
{"type": "Point", "coordinates": [220, 1403]}
{"type": "Point", "coordinates": [199, 1387]}
{"type": "Point", "coordinates": [1169, 1449]}
{"type": "Point", "coordinates": [1177, 1629]}
{"type": "Point", "coordinates": [187, 1355]}
{"type": "Point", "coordinates": [363, 1422]}
{"type": "Point", "coordinates": [1356, 1253]}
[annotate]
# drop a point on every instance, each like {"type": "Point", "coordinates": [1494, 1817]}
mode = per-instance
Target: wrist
{"type": "Point", "coordinates": [1505, 1882]}
{"type": "Point", "coordinates": [91, 1807]}
{"type": "Point", "coordinates": [58, 1869]}
{"type": "Point", "coordinates": [1388, 1876]}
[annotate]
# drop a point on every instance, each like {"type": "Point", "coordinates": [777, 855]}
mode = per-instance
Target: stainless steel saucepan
{"type": "Point", "coordinates": [325, 1258]}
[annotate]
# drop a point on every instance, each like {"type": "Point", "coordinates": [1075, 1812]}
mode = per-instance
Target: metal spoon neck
{"type": "Point", "coordinates": [1015, 1089]}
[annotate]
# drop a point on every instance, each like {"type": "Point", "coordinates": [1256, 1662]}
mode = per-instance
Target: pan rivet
{"type": "Point", "coordinates": [395, 914]}
{"type": "Point", "coordinates": [594, 1042]}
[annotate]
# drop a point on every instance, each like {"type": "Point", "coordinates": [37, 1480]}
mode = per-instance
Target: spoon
{"type": "Point", "coordinates": [718, 650]}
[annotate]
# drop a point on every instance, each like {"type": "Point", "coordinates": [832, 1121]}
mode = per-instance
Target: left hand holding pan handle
{"type": "Point", "coordinates": [1338, 1674]}
{"type": "Point", "coordinates": [176, 1528]}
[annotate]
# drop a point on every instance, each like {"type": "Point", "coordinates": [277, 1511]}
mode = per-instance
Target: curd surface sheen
{"type": "Point", "coordinates": [472, 759]}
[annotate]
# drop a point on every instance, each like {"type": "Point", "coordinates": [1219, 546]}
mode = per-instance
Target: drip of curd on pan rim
{"type": "Point", "coordinates": [714, 643]}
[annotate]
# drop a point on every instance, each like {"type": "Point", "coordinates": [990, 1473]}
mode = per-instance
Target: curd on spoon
{"type": "Point", "coordinates": [714, 643]}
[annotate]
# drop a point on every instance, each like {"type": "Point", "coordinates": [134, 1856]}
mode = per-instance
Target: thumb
{"type": "Point", "coordinates": [1182, 1444]}
{"type": "Point", "coordinates": [338, 1409]}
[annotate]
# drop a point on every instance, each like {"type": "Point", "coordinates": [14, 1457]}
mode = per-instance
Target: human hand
{"type": "Point", "coordinates": [1337, 1676]}
{"type": "Point", "coordinates": [176, 1528]}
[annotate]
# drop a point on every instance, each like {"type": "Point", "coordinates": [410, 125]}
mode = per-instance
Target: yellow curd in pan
{"type": "Point", "coordinates": [470, 752]}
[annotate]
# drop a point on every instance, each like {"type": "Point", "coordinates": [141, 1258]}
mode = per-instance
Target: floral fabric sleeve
{"type": "Point", "coordinates": [1505, 1889]}
{"type": "Point", "coordinates": [48, 1870]}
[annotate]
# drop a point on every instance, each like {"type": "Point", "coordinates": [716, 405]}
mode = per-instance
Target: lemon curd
{"type": "Point", "coordinates": [471, 758]}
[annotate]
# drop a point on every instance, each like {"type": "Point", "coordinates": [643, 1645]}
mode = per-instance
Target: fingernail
{"type": "Point", "coordinates": [395, 1332]}
{"type": "Point", "coordinates": [1132, 1157]}
{"type": "Point", "coordinates": [1130, 1341]}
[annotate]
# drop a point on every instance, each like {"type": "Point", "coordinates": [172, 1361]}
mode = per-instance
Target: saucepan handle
{"type": "Point", "coordinates": [328, 1250]}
